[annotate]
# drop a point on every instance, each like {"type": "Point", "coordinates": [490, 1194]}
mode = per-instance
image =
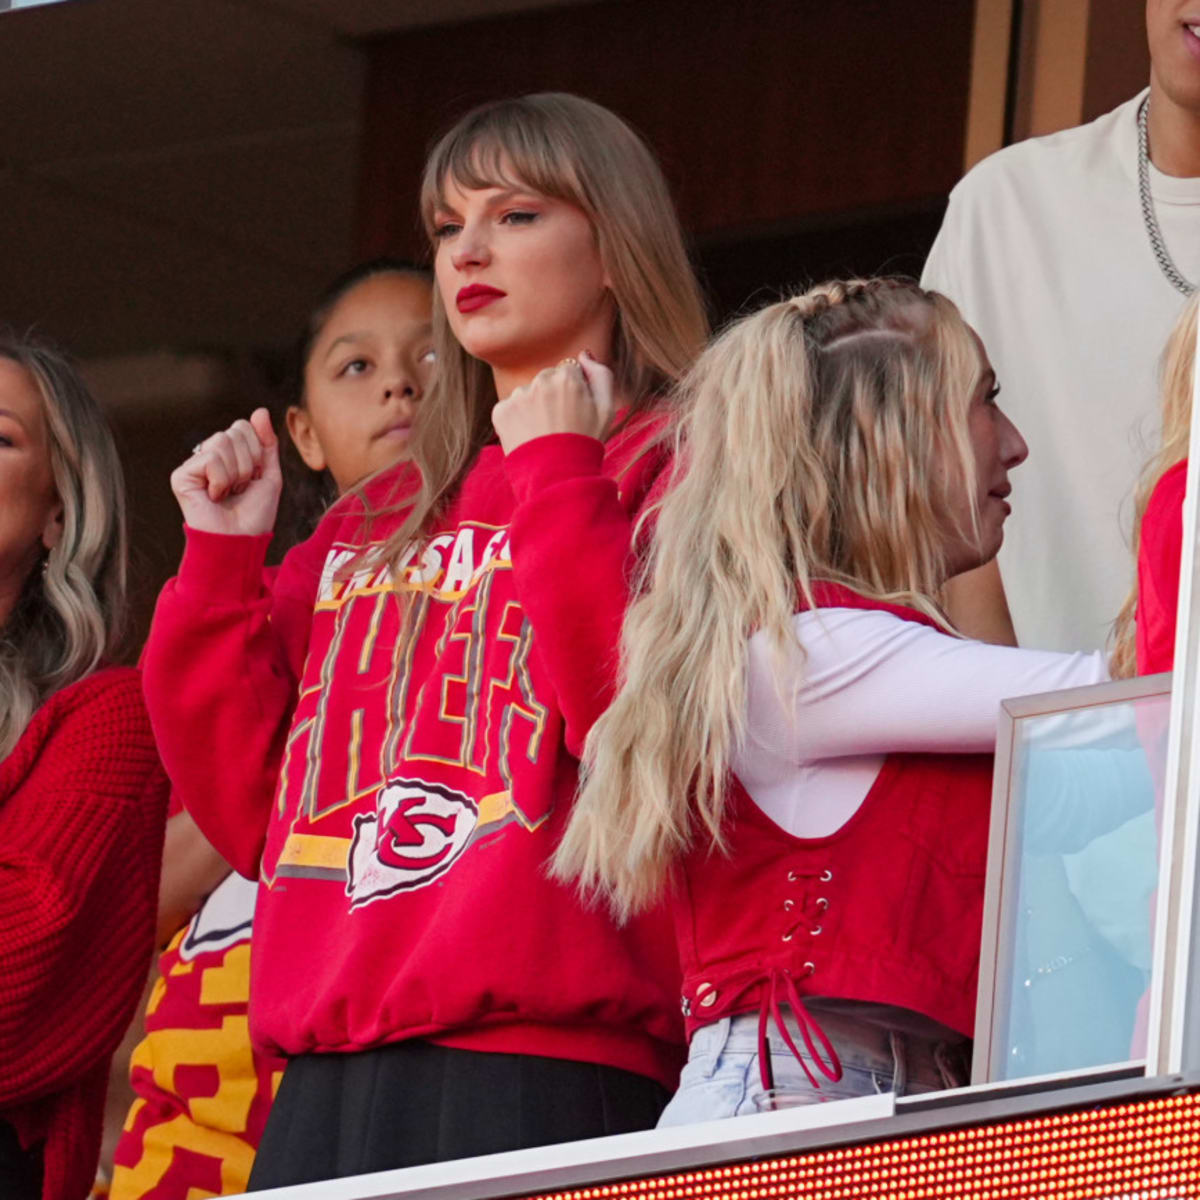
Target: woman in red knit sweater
{"type": "Point", "coordinates": [82, 795]}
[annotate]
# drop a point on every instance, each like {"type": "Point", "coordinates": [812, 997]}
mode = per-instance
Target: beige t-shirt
{"type": "Point", "coordinates": [1045, 251]}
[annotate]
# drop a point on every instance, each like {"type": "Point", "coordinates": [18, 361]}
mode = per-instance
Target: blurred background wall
{"type": "Point", "coordinates": [178, 180]}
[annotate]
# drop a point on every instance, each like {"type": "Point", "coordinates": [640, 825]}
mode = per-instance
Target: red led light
{"type": "Point", "coordinates": [1146, 1149]}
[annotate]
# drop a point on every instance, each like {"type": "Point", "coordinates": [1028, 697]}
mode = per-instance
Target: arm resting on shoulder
{"type": "Point", "coordinates": [873, 683]}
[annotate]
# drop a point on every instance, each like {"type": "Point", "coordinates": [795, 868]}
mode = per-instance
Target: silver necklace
{"type": "Point", "coordinates": [1166, 263]}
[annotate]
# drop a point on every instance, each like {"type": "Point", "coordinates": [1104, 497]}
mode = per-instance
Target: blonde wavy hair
{"type": "Point", "coordinates": [70, 612]}
{"type": "Point", "coordinates": [574, 150]}
{"type": "Point", "coordinates": [1178, 366]}
{"type": "Point", "coordinates": [815, 440]}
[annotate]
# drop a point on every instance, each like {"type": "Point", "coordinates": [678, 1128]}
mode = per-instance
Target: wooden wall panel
{"type": "Point", "coordinates": [1077, 59]}
{"type": "Point", "coordinates": [1118, 58]}
{"type": "Point", "coordinates": [991, 64]}
{"type": "Point", "coordinates": [767, 114]}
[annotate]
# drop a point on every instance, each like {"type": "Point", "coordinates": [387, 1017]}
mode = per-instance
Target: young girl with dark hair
{"type": "Point", "coordinates": [320, 432]}
{"type": "Point", "coordinates": [82, 794]}
{"type": "Point", "coordinates": [392, 735]}
{"type": "Point", "coordinates": [182, 1135]}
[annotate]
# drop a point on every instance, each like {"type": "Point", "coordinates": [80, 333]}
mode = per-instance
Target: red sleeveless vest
{"type": "Point", "coordinates": [887, 909]}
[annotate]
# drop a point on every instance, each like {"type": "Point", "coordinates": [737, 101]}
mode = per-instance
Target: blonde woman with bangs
{"type": "Point", "coordinates": [799, 753]}
{"type": "Point", "coordinates": [82, 794]}
{"type": "Point", "coordinates": [392, 734]}
{"type": "Point", "coordinates": [1144, 634]}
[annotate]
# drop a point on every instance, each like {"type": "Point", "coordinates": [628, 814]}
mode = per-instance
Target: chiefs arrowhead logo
{"type": "Point", "coordinates": [415, 834]}
{"type": "Point", "coordinates": [410, 839]}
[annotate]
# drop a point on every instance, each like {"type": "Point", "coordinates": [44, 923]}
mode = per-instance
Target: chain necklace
{"type": "Point", "coordinates": [1166, 263]}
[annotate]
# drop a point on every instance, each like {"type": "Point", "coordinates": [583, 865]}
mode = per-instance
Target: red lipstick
{"type": "Point", "coordinates": [475, 296]}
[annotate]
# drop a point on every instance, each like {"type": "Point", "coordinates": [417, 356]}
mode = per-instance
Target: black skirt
{"type": "Point", "coordinates": [415, 1102]}
{"type": "Point", "coordinates": [20, 1170]}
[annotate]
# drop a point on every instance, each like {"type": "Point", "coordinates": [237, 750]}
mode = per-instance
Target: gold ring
{"type": "Point", "coordinates": [569, 362]}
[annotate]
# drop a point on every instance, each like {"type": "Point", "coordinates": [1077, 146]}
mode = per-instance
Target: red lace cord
{"type": "Point", "coordinates": [830, 1065]}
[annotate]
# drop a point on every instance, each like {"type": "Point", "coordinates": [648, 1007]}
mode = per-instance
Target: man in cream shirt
{"type": "Point", "coordinates": [1074, 280]}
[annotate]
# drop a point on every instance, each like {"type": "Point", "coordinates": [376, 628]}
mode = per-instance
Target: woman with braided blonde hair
{"type": "Point", "coordinates": [800, 749]}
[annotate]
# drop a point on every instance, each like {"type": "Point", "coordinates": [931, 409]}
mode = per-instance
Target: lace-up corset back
{"type": "Point", "coordinates": [887, 909]}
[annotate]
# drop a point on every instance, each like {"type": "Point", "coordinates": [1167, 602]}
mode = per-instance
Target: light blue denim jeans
{"type": "Point", "coordinates": [722, 1076]}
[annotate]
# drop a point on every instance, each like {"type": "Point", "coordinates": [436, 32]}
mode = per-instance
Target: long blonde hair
{"type": "Point", "coordinates": [70, 611]}
{"type": "Point", "coordinates": [815, 441]}
{"type": "Point", "coordinates": [570, 149]}
{"type": "Point", "coordinates": [1178, 365]}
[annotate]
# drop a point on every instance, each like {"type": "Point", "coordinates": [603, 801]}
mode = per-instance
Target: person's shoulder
{"type": "Point", "coordinates": [395, 485]}
{"type": "Point", "coordinates": [105, 709]}
{"type": "Point", "coordinates": [639, 453]}
{"type": "Point", "coordinates": [841, 617]}
{"type": "Point", "coordinates": [635, 432]}
{"type": "Point", "coordinates": [368, 511]}
{"type": "Point", "coordinates": [113, 685]}
{"type": "Point", "coordinates": [387, 490]}
{"type": "Point", "coordinates": [1050, 159]}
{"type": "Point", "coordinates": [1173, 480]}
{"type": "Point", "coordinates": [1166, 500]}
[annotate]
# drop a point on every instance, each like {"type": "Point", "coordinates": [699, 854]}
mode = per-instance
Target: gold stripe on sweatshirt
{"type": "Point", "coordinates": [496, 807]}
{"type": "Point", "coordinates": [309, 850]}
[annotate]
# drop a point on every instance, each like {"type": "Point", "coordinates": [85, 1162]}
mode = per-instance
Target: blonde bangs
{"type": "Point", "coordinates": [501, 147]}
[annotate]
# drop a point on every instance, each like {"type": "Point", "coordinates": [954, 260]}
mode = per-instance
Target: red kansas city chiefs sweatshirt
{"type": "Point", "coordinates": [398, 776]}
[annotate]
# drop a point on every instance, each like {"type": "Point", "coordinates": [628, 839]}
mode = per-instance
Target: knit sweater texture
{"type": "Point", "coordinates": [82, 808]}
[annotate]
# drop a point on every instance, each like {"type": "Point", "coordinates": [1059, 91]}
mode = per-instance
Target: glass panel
{"type": "Point", "coordinates": [1080, 872]}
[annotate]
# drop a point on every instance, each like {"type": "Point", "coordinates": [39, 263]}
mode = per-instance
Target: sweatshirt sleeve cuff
{"type": "Point", "coordinates": [222, 567]}
{"type": "Point", "coordinates": [543, 461]}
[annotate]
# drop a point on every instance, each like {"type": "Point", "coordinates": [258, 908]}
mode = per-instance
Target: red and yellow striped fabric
{"type": "Point", "coordinates": [203, 1094]}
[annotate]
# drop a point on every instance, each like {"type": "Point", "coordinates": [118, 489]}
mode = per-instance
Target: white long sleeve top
{"type": "Point", "coordinates": [872, 684]}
